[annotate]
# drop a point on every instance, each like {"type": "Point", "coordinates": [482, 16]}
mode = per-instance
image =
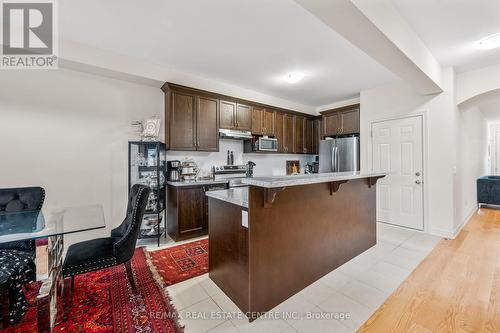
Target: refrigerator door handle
{"type": "Point", "coordinates": [333, 159]}
{"type": "Point", "coordinates": [338, 160]}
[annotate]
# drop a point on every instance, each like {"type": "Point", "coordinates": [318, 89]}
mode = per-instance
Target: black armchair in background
{"type": "Point", "coordinates": [101, 253]}
{"type": "Point", "coordinates": [23, 199]}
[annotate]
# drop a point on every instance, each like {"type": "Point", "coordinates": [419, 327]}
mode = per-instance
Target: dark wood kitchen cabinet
{"type": "Point", "coordinates": [331, 123]}
{"type": "Point", "coordinates": [181, 117]}
{"type": "Point", "coordinates": [308, 136]}
{"type": "Point", "coordinates": [207, 124]}
{"type": "Point", "coordinates": [263, 121]}
{"type": "Point", "coordinates": [193, 118]}
{"type": "Point", "coordinates": [340, 121]}
{"type": "Point", "coordinates": [243, 117]}
{"type": "Point", "coordinates": [192, 121]}
{"type": "Point", "coordinates": [349, 121]}
{"type": "Point", "coordinates": [235, 116]}
{"type": "Point", "coordinates": [289, 134]}
{"type": "Point", "coordinates": [317, 135]}
{"type": "Point", "coordinates": [187, 210]}
{"type": "Point", "coordinates": [299, 135]}
{"type": "Point", "coordinates": [269, 120]}
{"type": "Point", "coordinates": [280, 130]}
{"type": "Point", "coordinates": [227, 115]}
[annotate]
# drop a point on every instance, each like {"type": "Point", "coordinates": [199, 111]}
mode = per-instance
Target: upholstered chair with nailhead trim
{"type": "Point", "coordinates": [96, 254]}
{"type": "Point", "coordinates": [23, 199]}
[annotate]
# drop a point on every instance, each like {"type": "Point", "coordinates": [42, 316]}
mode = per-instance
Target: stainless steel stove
{"type": "Point", "coordinates": [232, 173]}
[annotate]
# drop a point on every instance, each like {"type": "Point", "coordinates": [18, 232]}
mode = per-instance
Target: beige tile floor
{"type": "Point", "coordinates": [357, 289]}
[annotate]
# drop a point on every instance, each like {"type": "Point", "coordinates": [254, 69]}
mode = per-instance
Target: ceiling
{"type": "Point", "coordinates": [251, 44]}
{"type": "Point", "coordinates": [449, 28]}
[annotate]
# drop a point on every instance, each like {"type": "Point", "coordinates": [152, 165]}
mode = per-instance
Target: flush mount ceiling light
{"type": "Point", "coordinates": [489, 43]}
{"type": "Point", "coordinates": [294, 77]}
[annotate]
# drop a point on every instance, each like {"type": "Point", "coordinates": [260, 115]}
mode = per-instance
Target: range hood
{"type": "Point", "coordinates": [234, 134]}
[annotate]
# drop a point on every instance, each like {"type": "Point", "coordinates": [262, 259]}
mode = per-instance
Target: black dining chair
{"type": "Point", "coordinates": [96, 254]}
{"type": "Point", "coordinates": [22, 199]}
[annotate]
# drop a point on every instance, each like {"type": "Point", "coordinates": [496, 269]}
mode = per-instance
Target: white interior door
{"type": "Point", "coordinates": [398, 151]}
{"type": "Point", "coordinates": [497, 153]}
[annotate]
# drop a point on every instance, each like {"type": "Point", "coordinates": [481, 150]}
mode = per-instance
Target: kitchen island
{"type": "Point", "coordinates": [270, 240]}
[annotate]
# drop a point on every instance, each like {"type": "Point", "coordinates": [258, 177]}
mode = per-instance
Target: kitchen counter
{"type": "Point", "coordinates": [283, 181]}
{"type": "Point", "coordinates": [295, 229]}
{"type": "Point", "coordinates": [197, 182]}
{"type": "Point", "coordinates": [237, 196]}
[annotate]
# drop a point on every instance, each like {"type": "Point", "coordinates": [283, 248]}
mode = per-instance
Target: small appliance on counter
{"type": "Point", "coordinates": [232, 173]}
{"type": "Point", "coordinates": [189, 170]}
{"type": "Point", "coordinates": [250, 166]}
{"type": "Point", "coordinates": [293, 167]}
{"type": "Point", "coordinates": [260, 144]}
{"type": "Point", "coordinates": [312, 167]}
{"type": "Point", "coordinates": [173, 171]}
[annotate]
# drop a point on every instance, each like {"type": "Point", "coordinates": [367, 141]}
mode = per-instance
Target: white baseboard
{"type": "Point", "coordinates": [452, 234]}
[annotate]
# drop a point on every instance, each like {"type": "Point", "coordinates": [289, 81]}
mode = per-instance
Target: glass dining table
{"type": "Point", "coordinates": [52, 224]}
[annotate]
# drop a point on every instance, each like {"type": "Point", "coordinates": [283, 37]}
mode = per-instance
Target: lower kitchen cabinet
{"type": "Point", "coordinates": [187, 210]}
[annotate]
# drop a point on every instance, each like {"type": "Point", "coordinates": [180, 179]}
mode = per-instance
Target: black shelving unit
{"type": "Point", "coordinates": [147, 166]}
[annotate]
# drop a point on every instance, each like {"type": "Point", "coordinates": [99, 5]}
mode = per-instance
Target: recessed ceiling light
{"type": "Point", "coordinates": [294, 77]}
{"type": "Point", "coordinates": [489, 43]}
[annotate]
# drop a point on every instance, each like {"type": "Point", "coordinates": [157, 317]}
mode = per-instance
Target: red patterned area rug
{"type": "Point", "coordinates": [103, 302]}
{"type": "Point", "coordinates": [178, 263]}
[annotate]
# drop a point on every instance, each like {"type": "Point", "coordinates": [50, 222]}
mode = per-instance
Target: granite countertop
{"type": "Point", "coordinates": [282, 181]}
{"type": "Point", "coordinates": [197, 182]}
{"type": "Point", "coordinates": [237, 196]}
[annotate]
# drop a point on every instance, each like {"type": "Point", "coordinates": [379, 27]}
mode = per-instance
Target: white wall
{"type": "Point", "coordinates": [266, 164]}
{"type": "Point", "coordinates": [67, 131]}
{"type": "Point", "coordinates": [477, 82]}
{"type": "Point", "coordinates": [473, 160]}
{"type": "Point", "coordinates": [493, 128]}
{"type": "Point", "coordinates": [441, 138]}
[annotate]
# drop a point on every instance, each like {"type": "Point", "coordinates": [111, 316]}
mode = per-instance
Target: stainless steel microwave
{"type": "Point", "coordinates": [267, 144]}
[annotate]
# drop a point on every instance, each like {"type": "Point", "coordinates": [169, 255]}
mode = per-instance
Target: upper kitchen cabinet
{"type": "Point", "coordinates": [263, 121]}
{"type": "Point", "coordinates": [257, 125]}
{"type": "Point", "coordinates": [331, 123]}
{"type": "Point", "coordinates": [349, 121]}
{"type": "Point", "coordinates": [299, 134]}
{"type": "Point", "coordinates": [243, 117]}
{"type": "Point", "coordinates": [235, 116]}
{"type": "Point", "coordinates": [269, 119]}
{"type": "Point", "coordinates": [280, 130]}
{"type": "Point", "coordinates": [317, 135]}
{"type": "Point", "coordinates": [308, 136]}
{"type": "Point", "coordinates": [207, 123]}
{"type": "Point", "coordinates": [227, 115]}
{"type": "Point", "coordinates": [289, 134]}
{"type": "Point", "coordinates": [192, 120]}
{"type": "Point", "coordinates": [181, 115]}
{"type": "Point", "coordinates": [341, 121]}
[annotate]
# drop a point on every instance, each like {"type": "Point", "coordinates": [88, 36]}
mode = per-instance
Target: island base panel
{"type": "Point", "coordinates": [305, 234]}
{"type": "Point", "coordinates": [228, 251]}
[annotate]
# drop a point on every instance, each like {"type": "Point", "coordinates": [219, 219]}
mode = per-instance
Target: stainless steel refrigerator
{"type": "Point", "coordinates": [339, 155]}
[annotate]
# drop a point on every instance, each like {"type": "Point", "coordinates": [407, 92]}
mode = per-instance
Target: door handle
{"type": "Point", "coordinates": [418, 182]}
{"type": "Point", "coordinates": [333, 159]}
{"type": "Point", "coordinates": [338, 159]}
{"type": "Point", "coordinates": [417, 174]}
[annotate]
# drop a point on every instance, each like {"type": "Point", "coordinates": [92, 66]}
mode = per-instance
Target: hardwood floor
{"type": "Point", "coordinates": [455, 289]}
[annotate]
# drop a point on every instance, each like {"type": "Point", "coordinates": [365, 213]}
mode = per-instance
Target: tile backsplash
{"type": "Point", "coordinates": [266, 164]}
